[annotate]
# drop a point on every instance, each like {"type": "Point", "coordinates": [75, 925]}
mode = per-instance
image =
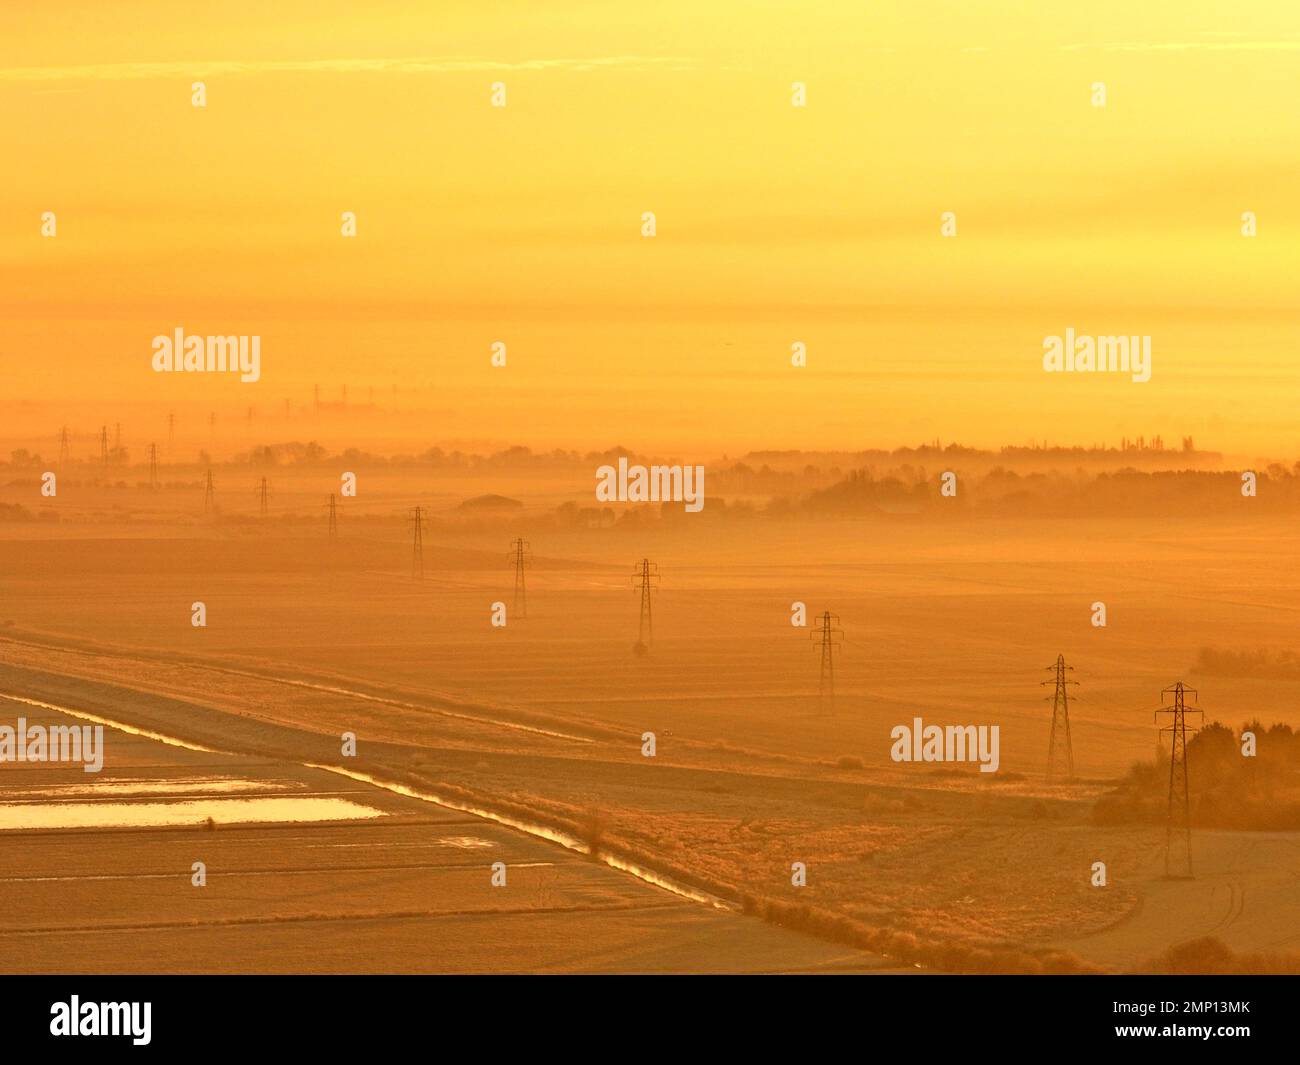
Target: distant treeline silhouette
{"type": "Point", "coordinates": [1002, 491]}
{"type": "Point", "coordinates": [1131, 481]}
{"type": "Point", "coordinates": [1227, 788]}
{"type": "Point", "coordinates": [778, 464]}
{"type": "Point", "coordinates": [310, 454]}
{"type": "Point", "coordinates": [1261, 663]}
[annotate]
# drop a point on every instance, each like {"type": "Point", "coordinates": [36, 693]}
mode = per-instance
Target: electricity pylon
{"type": "Point", "coordinates": [645, 577]}
{"type": "Point", "coordinates": [417, 545]}
{"type": "Point", "coordinates": [334, 520]}
{"type": "Point", "coordinates": [830, 635]}
{"type": "Point", "coordinates": [1060, 751]}
{"type": "Point", "coordinates": [153, 465]}
{"type": "Point", "coordinates": [209, 494]}
{"type": "Point", "coordinates": [522, 558]}
{"type": "Point", "coordinates": [103, 445]}
{"type": "Point", "coordinates": [63, 448]}
{"type": "Point", "coordinates": [263, 490]}
{"type": "Point", "coordinates": [1178, 822]}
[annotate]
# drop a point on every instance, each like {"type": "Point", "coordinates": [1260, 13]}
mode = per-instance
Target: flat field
{"type": "Point", "coordinates": [544, 720]}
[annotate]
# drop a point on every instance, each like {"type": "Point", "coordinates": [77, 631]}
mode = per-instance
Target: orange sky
{"type": "Point", "coordinates": [776, 224]}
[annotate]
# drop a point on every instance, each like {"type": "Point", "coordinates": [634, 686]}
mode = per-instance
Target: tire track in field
{"type": "Point", "coordinates": [330, 689]}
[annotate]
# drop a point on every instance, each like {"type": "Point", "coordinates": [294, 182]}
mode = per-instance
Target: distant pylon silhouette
{"type": "Point", "coordinates": [830, 634]}
{"type": "Point", "coordinates": [103, 445]}
{"type": "Point", "coordinates": [417, 544]}
{"type": "Point", "coordinates": [645, 577]}
{"type": "Point", "coordinates": [63, 448]}
{"type": "Point", "coordinates": [1178, 822]}
{"type": "Point", "coordinates": [1060, 749]}
{"type": "Point", "coordinates": [522, 558]}
{"type": "Point", "coordinates": [263, 489]}
{"type": "Point", "coordinates": [334, 520]}
{"type": "Point", "coordinates": [209, 494]}
{"type": "Point", "coordinates": [153, 465]}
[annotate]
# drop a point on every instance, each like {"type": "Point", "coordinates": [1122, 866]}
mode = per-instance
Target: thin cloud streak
{"type": "Point", "coordinates": [409, 65]}
{"type": "Point", "coordinates": [1186, 46]}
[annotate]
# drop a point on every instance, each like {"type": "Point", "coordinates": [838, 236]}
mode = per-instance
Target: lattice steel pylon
{"type": "Point", "coordinates": [645, 578]}
{"type": "Point", "coordinates": [522, 559]}
{"type": "Point", "coordinates": [830, 634]}
{"type": "Point", "coordinates": [1178, 823]}
{"type": "Point", "coordinates": [333, 535]}
{"type": "Point", "coordinates": [1060, 748]}
{"type": "Point", "coordinates": [417, 543]}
